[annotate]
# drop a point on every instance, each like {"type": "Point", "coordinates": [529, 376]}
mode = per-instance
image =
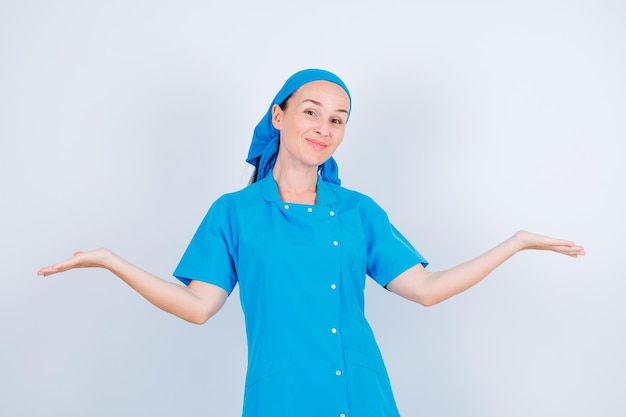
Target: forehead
{"type": "Point", "coordinates": [327, 93]}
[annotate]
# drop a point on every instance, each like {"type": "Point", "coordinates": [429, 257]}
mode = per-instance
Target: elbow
{"type": "Point", "coordinates": [422, 299]}
{"type": "Point", "coordinates": [428, 295]}
{"type": "Point", "coordinates": [428, 301]}
{"type": "Point", "coordinates": [416, 285]}
{"type": "Point", "coordinates": [197, 320]}
{"type": "Point", "coordinates": [205, 302]}
{"type": "Point", "coordinates": [200, 316]}
{"type": "Point", "coordinates": [425, 298]}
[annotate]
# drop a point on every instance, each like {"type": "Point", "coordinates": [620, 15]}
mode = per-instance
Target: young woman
{"type": "Point", "coordinates": [299, 245]}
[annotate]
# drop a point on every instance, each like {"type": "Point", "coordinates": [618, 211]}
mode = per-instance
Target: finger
{"type": "Point", "coordinates": [561, 242]}
{"type": "Point", "coordinates": [49, 270]}
{"type": "Point", "coordinates": [58, 267]}
{"type": "Point", "coordinates": [46, 270]}
{"type": "Point", "coordinates": [569, 250]}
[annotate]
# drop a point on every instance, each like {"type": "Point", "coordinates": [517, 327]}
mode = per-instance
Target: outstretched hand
{"type": "Point", "coordinates": [90, 259]}
{"type": "Point", "coordinates": [528, 240]}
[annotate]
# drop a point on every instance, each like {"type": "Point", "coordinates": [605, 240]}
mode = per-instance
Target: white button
{"type": "Point", "coordinates": [333, 330]}
{"type": "Point", "coordinates": [342, 415]}
{"type": "Point", "coordinates": [333, 286]}
{"type": "Point", "coordinates": [310, 210]}
{"type": "Point", "coordinates": [335, 243]}
{"type": "Point", "coordinates": [286, 206]}
{"type": "Point", "coordinates": [338, 372]}
{"type": "Point", "coordinates": [332, 213]}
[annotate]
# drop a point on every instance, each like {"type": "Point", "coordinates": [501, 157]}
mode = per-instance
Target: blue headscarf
{"type": "Point", "coordinates": [264, 147]}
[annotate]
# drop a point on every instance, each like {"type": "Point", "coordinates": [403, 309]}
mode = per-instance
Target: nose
{"type": "Point", "coordinates": [323, 129]}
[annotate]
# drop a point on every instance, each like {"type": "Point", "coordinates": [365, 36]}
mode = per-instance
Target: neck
{"type": "Point", "coordinates": [296, 185]}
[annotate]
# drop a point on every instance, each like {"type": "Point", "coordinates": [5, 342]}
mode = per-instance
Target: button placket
{"type": "Point", "coordinates": [333, 334]}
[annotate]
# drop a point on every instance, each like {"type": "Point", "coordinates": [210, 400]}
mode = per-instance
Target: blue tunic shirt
{"type": "Point", "coordinates": [301, 271]}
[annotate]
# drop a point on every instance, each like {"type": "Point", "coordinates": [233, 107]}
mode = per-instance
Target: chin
{"type": "Point", "coordinates": [313, 160]}
{"type": "Point", "coordinates": [319, 162]}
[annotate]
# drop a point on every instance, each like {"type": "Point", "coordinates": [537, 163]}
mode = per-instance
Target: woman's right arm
{"type": "Point", "coordinates": [195, 303]}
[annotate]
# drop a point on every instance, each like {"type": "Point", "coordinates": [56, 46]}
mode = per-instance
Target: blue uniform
{"type": "Point", "coordinates": [301, 271]}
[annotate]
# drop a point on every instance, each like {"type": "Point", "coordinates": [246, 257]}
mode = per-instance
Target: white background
{"type": "Point", "coordinates": [122, 121]}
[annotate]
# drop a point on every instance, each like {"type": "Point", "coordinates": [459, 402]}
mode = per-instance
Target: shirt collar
{"type": "Point", "coordinates": [325, 194]}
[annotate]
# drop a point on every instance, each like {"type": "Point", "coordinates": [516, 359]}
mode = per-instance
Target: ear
{"type": "Point", "coordinates": [277, 116]}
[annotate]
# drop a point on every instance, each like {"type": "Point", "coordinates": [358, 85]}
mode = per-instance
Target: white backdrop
{"type": "Point", "coordinates": [121, 122]}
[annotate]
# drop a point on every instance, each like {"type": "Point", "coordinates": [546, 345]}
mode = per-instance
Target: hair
{"type": "Point", "coordinates": [255, 173]}
{"type": "Point", "coordinates": [283, 105]}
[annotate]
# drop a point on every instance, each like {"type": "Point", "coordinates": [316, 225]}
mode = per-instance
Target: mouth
{"type": "Point", "coordinates": [316, 144]}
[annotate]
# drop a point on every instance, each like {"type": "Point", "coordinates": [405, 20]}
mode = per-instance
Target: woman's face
{"type": "Point", "coordinates": [313, 123]}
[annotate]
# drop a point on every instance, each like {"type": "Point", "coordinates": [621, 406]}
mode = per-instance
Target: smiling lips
{"type": "Point", "coordinates": [317, 145]}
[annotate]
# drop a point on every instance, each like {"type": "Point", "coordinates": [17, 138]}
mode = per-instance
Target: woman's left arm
{"type": "Point", "coordinates": [429, 288]}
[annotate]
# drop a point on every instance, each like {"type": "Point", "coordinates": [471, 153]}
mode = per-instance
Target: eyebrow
{"type": "Point", "coordinates": [320, 104]}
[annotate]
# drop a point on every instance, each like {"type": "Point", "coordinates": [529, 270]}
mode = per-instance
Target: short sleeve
{"type": "Point", "coordinates": [208, 257]}
{"type": "Point", "coordinates": [389, 253]}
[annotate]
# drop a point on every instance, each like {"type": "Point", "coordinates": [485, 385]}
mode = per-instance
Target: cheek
{"type": "Point", "coordinates": [338, 134]}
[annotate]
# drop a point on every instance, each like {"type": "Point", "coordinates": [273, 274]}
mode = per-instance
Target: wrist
{"type": "Point", "coordinates": [518, 241]}
{"type": "Point", "coordinates": [108, 260]}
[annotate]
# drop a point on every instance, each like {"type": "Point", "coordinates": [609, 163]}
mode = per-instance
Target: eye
{"type": "Point", "coordinates": [309, 112]}
{"type": "Point", "coordinates": [336, 121]}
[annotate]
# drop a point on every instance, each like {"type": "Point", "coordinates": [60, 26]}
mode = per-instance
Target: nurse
{"type": "Point", "coordinates": [299, 246]}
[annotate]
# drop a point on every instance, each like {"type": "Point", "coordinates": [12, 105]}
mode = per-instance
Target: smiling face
{"type": "Point", "coordinates": [312, 125]}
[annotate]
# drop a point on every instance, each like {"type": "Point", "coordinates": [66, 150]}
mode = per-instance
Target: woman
{"type": "Point", "coordinates": [299, 245]}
